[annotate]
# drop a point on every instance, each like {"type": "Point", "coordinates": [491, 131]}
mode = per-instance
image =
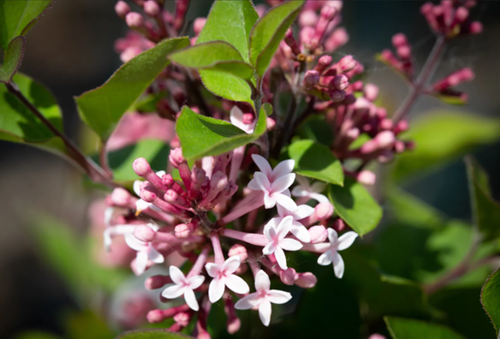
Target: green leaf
{"type": "Point", "coordinates": [316, 129]}
{"type": "Point", "coordinates": [18, 124]}
{"type": "Point", "coordinates": [354, 204]}
{"type": "Point", "coordinates": [229, 21]}
{"type": "Point", "coordinates": [12, 59]}
{"type": "Point", "coordinates": [415, 329]}
{"type": "Point", "coordinates": [485, 210]}
{"type": "Point", "coordinates": [152, 334]}
{"type": "Point", "coordinates": [443, 136]}
{"type": "Point", "coordinates": [490, 295]}
{"type": "Point", "coordinates": [103, 107]}
{"type": "Point", "coordinates": [268, 32]}
{"type": "Point", "coordinates": [202, 136]}
{"type": "Point", "coordinates": [316, 161]}
{"type": "Point", "coordinates": [215, 55]}
{"type": "Point", "coordinates": [18, 17]}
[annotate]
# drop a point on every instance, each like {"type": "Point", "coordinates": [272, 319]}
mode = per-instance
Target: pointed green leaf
{"type": "Point", "coordinates": [490, 295]}
{"type": "Point", "coordinates": [215, 55]}
{"type": "Point", "coordinates": [152, 334]}
{"type": "Point", "coordinates": [103, 107]}
{"type": "Point", "coordinates": [269, 31]}
{"type": "Point", "coordinates": [12, 59]}
{"type": "Point", "coordinates": [485, 210]}
{"type": "Point", "coordinates": [18, 17]}
{"type": "Point", "coordinates": [226, 85]}
{"type": "Point", "coordinates": [202, 136]}
{"type": "Point", "coordinates": [401, 328]}
{"type": "Point", "coordinates": [354, 204]}
{"type": "Point", "coordinates": [315, 160]}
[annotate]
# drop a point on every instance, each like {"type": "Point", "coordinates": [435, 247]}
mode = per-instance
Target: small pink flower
{"type": "Point", "coordinates": [337, 244]}
{"type": "Point", "coordinates": [145, 251]}
{"type": "Point", "coordinates": [297, 229]}
{"type": "Point", "coordinates": [274, 182]}
{"type": "Point", "coordinates": [263, 298]}
{"type": "Point", "coordinates": [278, 243]}
{"type": "Point", "coordinates": [311, 191]}
{"type": "Point", "coordinates": [236, 117]}
{"type": "Point", "coordinates": [223, 276]}
{"type": "Point", "coordinates": [183, 286]}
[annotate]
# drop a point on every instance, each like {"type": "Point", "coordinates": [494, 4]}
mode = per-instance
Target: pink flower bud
{"type": "Point", "coordinates": [337, 95]}
{"type": "Point", "coordinates": [176, 157]}
{"type": "Point", "coordinates": [323, 63]}
{"type": "Point", "coordinates": [134, 20]}
{"type": "Point", "coordinates": [151, 8]}
{"type": "Point", "coordinates": [182, 231]}
{"type": "Point", "coordinates": [261, 10]}
{"type": "Point", "coordinates": [311, 78]}
{"type": "Point", "coordinates": [338, 225]}
{"type": "Point", "coordinates": [385, 139]}
{"type": "Point", "coordinates": [318, 234]}
{"type": "Point", "coordinates": [147, 195]}
{"type": "Point", "coordinates": [401, 126]}
{"type": "Point", "coordinates": [376, 336]}
{"type": "Point", "coordinates": [366, 178]}
{"type": "Point", "coordinates": [144, 233]}
{"type": "Point", "coordinates": [248, 118]}
{"type": "Point", "coordinates": [328, 12]}
{"type": "Point", "coordinates": [323, 210]}
{"type": "Point", "coordinates": [288, 276]}
{"type": "Point", "coordinates": [182, 318]}
{"type": "Point", "coordinates": [347, 63]}
{"type": "Point", "coordinates": [386, 124]}
{"type": "Point", "coordinates": [404, 52]}
{"type": "Point", "coordinates": [270, 123]}
{"type": "Point", "coordinates": [306, 280]}
{"type": "Point", "coordinates": [371, 92]}
{"type": "Point", "coordinates": [475, 27]}
{"type": "Point", "coordinates": [240, 250]}
{"type": "Point", "coordinates": [141, 167]}
{"type": "Point", "coordinates": [122, 9]}
{"type": "Point", "coordinates": [308, 18]}
{"type": "Point", "coordinates": [120, 197]}
{"type": "Point", "coordinates": [155, 316]}
{"type": "Point", "coordinates": [338, 38]}
{"type": "Point", "coordinates": [340, 82]}
{"type": "Point", "coordinates": [157, 281]}
{"type": "Point", "coordinates": [198, 25]}
{"type": "Point", "coordinates": [399, 40]}
{"type": "Point", "coordinates": [461, 14]}
{"type": "Point", "coordinates": [306, 35]}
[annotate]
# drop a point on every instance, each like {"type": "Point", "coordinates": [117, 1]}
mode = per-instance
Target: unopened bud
{"type": "Point", "coordinates": [288, 276]}
{"type": "Point", "coordinates": [337, 95]}
{"type": "Point", "coordinates": [338, 225]}
{"type": "Point", "coordinates": [306, 280]}
{"type": "Point", "coordinates": [371, 92]}
{"type": "Point", "coordinates": [323, 63]}
{"type": "Point", "coordinates": [120, 197]}
{"type": "Point", "coordinates": [323, 210]}
{"type": "Point", "coordinates": [385, 139]}
{"type": "Point", "coordinates": [134, 20]}
{"type": "Point", "coordinates": [155, 316]}
{"type": "Point", "coordinates": [198, 25]}
{"type": "Point", "coordinates": [176, 157]}
{"type": "Point", "coordinates": [157, 281]}
{"type": "Point", "coordinates": [340, 82]}
{"type": "Point", "coordinates": [308, 18]}
{"type": "Point", "coordinates": [182, 231]}
{"type": "Point", "coordinates": [151, 8]}
{"type": "Point", "coordinates": [182, 318]}
{"type": "Point", "coordinates": [347, 63]}
{"type": "Point", "coordinates": [238, 249]}
{"type": "Point", "coordinates": [318, 234]}
{"type": "Point", "coordinates": [399, 40]}
{"type": "Point", "coordinates": [248, 118]}
{"type": "Point", "coordinates": [366, 178]}
{"type": "Point", "coordinates": [144, 233]}
{"type": "Point", "coordinates": [141, 167]}
{"type": "Point", "coordinates": [122, 9]}
{"type": "Point", "coordinates": [311, 78]}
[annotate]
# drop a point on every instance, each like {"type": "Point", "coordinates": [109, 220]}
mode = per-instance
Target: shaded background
{"type": "Point", "coordinates": [71, 51]}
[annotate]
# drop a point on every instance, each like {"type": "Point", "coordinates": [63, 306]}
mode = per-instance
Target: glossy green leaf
{"type": "Point", "coordinates": [315, 128]}
{"type": "Point", "coordinates": [485, 210]}
{"type": "Point", "coordinates": [443, 136]}
{"type": "Point", "coordinates": [202, 136]}
{"type": "Point", "coordinates": [12, 59]}
{"type": "Point", "coordinates": [103, 107]}
{"type": "Point", "coordinates": [316, 161]}
{"type": "Point", "coordinates": [18, 17]}
{"type": "Point", "coordinates": [214, 55]}
{"type": "Point", "coordinates": [354, 204]}
{"type": "Point", "coordinates": [152, 334]}
{"type": "Point", "coordinates": [401, 328]}
{"type": "Point", "coordinates": [268, 33]}
{"type": "Point", "coordinates": [229, 21]}
{"type": "Point", "coordinates": [490, 295]}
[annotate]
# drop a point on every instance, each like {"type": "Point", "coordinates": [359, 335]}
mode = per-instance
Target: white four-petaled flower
{"type": "Point", "coordinates": [263, 298]}
{"type": "Point", "coordinates": [141, 205]}
{"type": "Point", "coordinates": [278, 242]}
{"type": "Point", "coordinates": [296, 228]}
{"type": "Point", "coordinates": [236, 117]}
{"type": "Point", "coordinates": [183, 285]}
{"type": "Point", "coordinates": [223, 276]}
{"type": "Point", "coordinates": [145, 250]}
{"type": "Point", "coordinates": [274, 182]}
{"type": "Point", "coordinates": [310, 191]}
{"type": "Point", "coordinates": [337, 244]}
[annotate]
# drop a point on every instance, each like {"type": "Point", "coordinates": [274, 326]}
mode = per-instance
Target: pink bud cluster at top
{"type": "Point", "coordinates": [403, 62]}
{"type": "Point", "coordinates": [451, 18]}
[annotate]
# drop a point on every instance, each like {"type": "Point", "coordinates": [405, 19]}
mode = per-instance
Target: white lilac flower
{"type": "Point", "coordinates": [236, 117]}
{"type": "Point", "coordinates": [263, 297]}
{"type": "Point", "coordinates": [145, 250]}
{"type": "Point", "coordinates": [110, 230]}
{"type": "Point", "coordinates": [183, 286]}
{"type": "Point", "coordinates": [274, 183]}
{"type": "Point", "coordinates": [296, 228]}
{"type": "Point", "coordinates": [141, 205]}
{"type": "Point", "coordinates": [337, 244]}
{"type": "Point", "coordinates": [311, 191]}
{"type": "Point", "coordinates": [223, 276]}
{"type": "Point", "coordinates": [277, 241]}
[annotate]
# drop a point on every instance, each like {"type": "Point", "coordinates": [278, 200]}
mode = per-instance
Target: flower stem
{"type": "Point", "coordinates": [421, 82]}
{"type": "Point", "coordinates": [219, 256]}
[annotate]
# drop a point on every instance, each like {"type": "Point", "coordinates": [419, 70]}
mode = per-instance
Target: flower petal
{"type": "Point", "coordinates": [300, 232]}
{"type": "Point", "coordinates": [176, 275]}
{"type": "Point", "coordinates": [282, 183]}
{"type": "Point", "coordinates": [338, 265]}
{"type": "Point", "coordinates": [303, 182]}
{"type": "Point", "coordinates": [253, 185]}
{"type": "Point", "coordinates": [141, 260]}
{"type": "Point", "coordinates": [236, 117]}
{"type": "Point", "coordinates": [196, 281]}
{"type": "Point", "coordinates": [137, 187]}
{"type": "Point", "coordinates": [108, 215]}
{"type": "Point", "coordinates": [231, 264]}
{"type": "Point", "coordinates": [270, 230]}
{"type": "Point", "coordinates": [248, 302]}
{"type": "Point", "coordinates": [216, 290]}
{"type": "Point", "coordinates": [236, 284]}
{"type": "Point", "coordinates": [303, 211]}
{"type": "Point", "coordinates": [135, 243]}
{"type": "Point", "coordinates": [283, 168]}
{"type": "Point", "coordinates": [268, 201]}
{"type": "Point", "coordinates": [191, 299]}
{"type": "Point", "coordinates": [263, 181]}
{"type": "Point", "coordinates": [269, 249]}
{"type": "Point", "coordinates": [332, 236]}
{"type": "Point", "coordinates": [319, 197]}
{"type": "Point", "coordinates": [262, 164]}
{"type": "Point", "coordinates": [326, 258]}
{"type": "Point", "coordinates": [284, 226]}
{"type": "Point", "coordinates": [173, 291]}
{"type": "Point", "coordinates": [285, 201]}
{"type": "Point", "coordinates": [155, 256]}
{"type": "Point", "coordinates": [290, 244]}
{"type": "Point", "coordinates": [299, 191]}
{"type": "Point", "coordinates": [265, 311]}
{"type": "Point", "coordinates": [280, 258]}
{"type": "Point", "coordinates": [278, 297]}
{"type": "Point", "coordinates": [212, 269]}
{"type": "Point", "coordinates": [141, 205]}
{"type": "Point", "coordinates": [262, 282]}
{"type": "Point", "coordinates": [160, 173]}
{"type": "Point", "coordinates": [318, 187]}
{"type": "Point", "coordinates": [346, 240]}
